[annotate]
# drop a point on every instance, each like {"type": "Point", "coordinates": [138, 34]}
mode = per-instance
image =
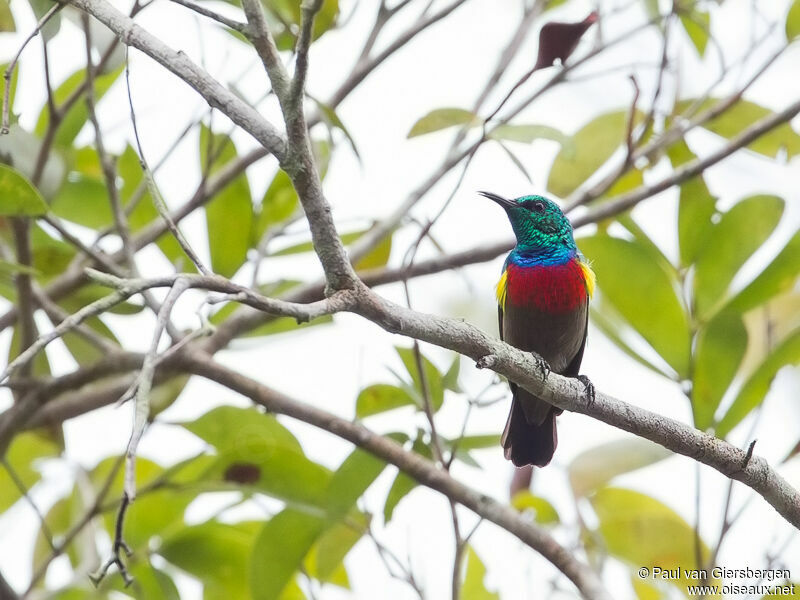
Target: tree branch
{"type": "Point", "coordinates": [298, 162]}
{"type": "Point", "coordinates": [569, 394]}
{"type": "Point", "coordinates": [410, 463]}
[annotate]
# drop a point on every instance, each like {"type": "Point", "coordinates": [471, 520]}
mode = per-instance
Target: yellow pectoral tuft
{"type": "Point", "coordinates": [588, 276]}
{"type": "Point", "coordinates": [502, 286]}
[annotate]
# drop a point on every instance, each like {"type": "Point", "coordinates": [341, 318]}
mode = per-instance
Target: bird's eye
{"type": "Point", "coordinates": [534, 205]}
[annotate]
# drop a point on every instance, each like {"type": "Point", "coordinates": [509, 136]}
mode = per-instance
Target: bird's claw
{"type": "Point", "coordinates": [541, 365]}
{"type": "Point", "coordinates": [589, 389]}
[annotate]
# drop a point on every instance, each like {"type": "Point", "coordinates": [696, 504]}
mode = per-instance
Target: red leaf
{"type": "Point", "coordinates": [559, 40]}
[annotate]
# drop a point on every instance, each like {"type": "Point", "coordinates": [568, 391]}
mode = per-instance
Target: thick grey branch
{"type": "Point", "coordinates": [569, 394]}
{"type": "Point", "coordinates": [299, 161]}
{"type": "Point", "coordinates": [410, 463]}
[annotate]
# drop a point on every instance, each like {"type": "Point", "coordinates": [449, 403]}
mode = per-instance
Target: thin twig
{"type": "Point", "coordinates": [158, 201]}
{"type": "Point", "coordinates": [119, 546]}
{"type": "Point", "coordinates": [214, 16]}
{"type": "Point", "coordinates": [110, 177]}
{"type": "Point", "coordinates": [309, 9]}
{"type": "Point", "coordinates": [12, 65]}
{"type": "Point", "coordinates": [23, 489]}
{"type": "Point", "coordinates": [74, 531]}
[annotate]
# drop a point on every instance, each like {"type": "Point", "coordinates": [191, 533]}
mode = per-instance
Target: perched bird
{"type": "Point", "coordinates": [543, 308]}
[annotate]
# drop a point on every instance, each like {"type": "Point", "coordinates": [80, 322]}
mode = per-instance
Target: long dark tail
{"type": "Point", "coordinates": [529, 444]}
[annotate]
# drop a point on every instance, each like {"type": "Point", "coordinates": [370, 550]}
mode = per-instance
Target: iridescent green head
{"type": "Point", "coordinates": [538, 223]}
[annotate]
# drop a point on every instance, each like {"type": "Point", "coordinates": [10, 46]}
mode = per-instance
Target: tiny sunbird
{"type": "Point", "coordinates": [543, 307]}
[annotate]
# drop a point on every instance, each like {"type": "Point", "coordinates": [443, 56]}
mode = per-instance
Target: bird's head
{"type": "Point", "coordinates": [537, 222]}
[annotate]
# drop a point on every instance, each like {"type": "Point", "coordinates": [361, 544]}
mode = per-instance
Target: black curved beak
{"type": "Point", "coordinates": [504, 202]}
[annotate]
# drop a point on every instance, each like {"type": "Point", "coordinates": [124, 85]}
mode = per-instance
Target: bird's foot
{"type": "Point", "coordinates": [486, 362]}
{"type": "Point", "coordinates": [588, 389]}
{"type": "Point", "coordinates": [541, 365]}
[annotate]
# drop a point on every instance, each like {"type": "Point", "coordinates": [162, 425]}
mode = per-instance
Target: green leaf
{"type": "Point", "coordinates": [641, 236]}
{"type": "Point", "coordinates": [164, 395]}
{"type": "Point", "coordinates": [381, 397]}
{"type": "Point", "coordinates": [756, 387]}
{"type": "Point", "coordinates": [83, 351]}
{"type": "Point", "coordinates": [225, 427]}
{"type": "Point", "coordinates": [643, 292]}
{"type": "Point", "coordinates": [20, 148]}
{"type": "Point", "coordinates": [25, 449]}
{"type": "Point", "coordinates": [651, 9]}
{"type": "Point", "coordinates": [326, 17]}
{"type": "Point", "coordinates": [645, 590]}
{"type": "Point", "coordinates": [275, 470]}
{"type": "Point", "coordinates": [433, 378]}
{"type": "Point", "coordinates": [92, 292]}
{"type": "Point", "coordinates": [229, 215]}
{"type": "Point", "coordinates": [720, 348]}
{"type": "Point", "coordinates": [640, 530]}
{"type": "Point", "coordinates": [740, 116]}
{"type": "Point", "coordinates": [332, 120]}
{"type": "Point", "coordinates": [145, 212]}
{"type": "Point", "coordinates": [793, 21]}
{"type": "Point", "coordinates": [324, 560]}
{"type": "Point", "coordinates": [41, 365]}
{"type": "Point", "coordinates": [8, 272]}
{"type": "Point", "coordinates": [779, 276]}
{"type": "Point", "coordinates": [526, 134]}
{"type": "Point", "coordinates": [442, 118]}
{"type": "Point", "coordinates": [591, 147]}
{"type": "Point", "coordinates": [350, 481]}
{"type": "Point", "coordinates": [289, 11]}
{"type": "Point", "coordinates": [76, 117]}
{"type": "Point", "coordinates": [450, 379]}
{"type": "Point", "coordinates": [403, 483]}
{"type": "Point", "coordinates": [40, 8]}
{"type": "Point", "coordinates": [739, 233]}
{"type": "Point", "coordinates": [18, 197]}
{"type": "Point", "coordinates": [86, 162]}
{"type": "Point", "coordinates": [279, 550]}
{"type": "Point", "coordinates": [58, 520]}
{"type": "Point", "coordinates": [696, 206]}
{"type": "Point", "coordinates": [280, 202]}
{"type": "Point", "coordinates": [595, 467]}
{"type": "Point", "coordinates": [607, 320]}
{"type": "Point", "coordinates": [377, 257]}
{"type": "Point", "coordinates": [695, 209]}
{"type": "Point", "coordinates": [6, 20]}
{"type": "Point", "coordinates": [544, 512]}
{"type": "Point", "coordinates": [696, 23]}
{"type": "Point", "coordinates": [50, 256]}
{"type": "Point", "coordinates": [476, 442]}
{"type": "Point", "coordinates": [216, 553]}
{"type": "Point", "coordinates": [83, 200]}
{"type": "Point", "coordinates": [473, 587]}
{"type": "Point", "coordinates": [256, 452]}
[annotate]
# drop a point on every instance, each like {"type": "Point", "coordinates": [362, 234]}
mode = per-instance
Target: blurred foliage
{"type": "Point", "coordinates": [702, 319]}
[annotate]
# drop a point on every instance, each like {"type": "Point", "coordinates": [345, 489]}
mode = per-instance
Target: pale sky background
{"type": "Point", "coordinates": [326, 366]}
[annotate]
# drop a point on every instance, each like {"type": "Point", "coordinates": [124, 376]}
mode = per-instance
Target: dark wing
{"type": "Point", "coordinates": [500, 319]}
{"type": "Point", "coordinates": [574, 367]}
